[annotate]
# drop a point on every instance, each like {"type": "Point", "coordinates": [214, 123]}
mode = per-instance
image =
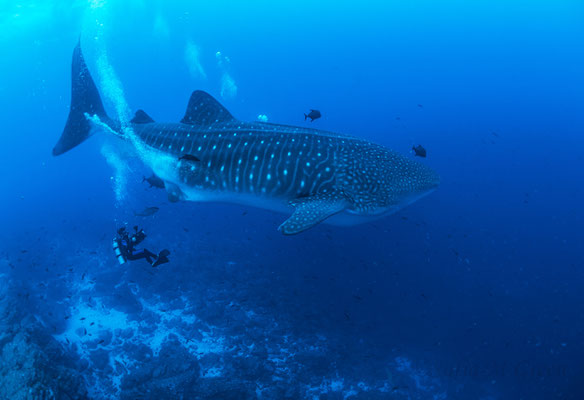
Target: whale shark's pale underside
{"type": "Point", "coordinates": [211, 156]}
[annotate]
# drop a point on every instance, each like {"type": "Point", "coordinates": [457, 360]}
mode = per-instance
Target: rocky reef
{"type": "Point", "coordinates": [33, 365]}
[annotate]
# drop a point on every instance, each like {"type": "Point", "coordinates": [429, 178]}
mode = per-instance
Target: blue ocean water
{"type": "Point", "coordinates": [473, 292]}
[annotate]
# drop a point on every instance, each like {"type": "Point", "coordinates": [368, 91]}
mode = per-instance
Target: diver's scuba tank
{"type": "Point", "coordinates": [118, 252]}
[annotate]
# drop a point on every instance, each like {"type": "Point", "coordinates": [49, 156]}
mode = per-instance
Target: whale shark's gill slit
{"type": "Point", "coordinates": [262, 180]}
{"type": "Point", "coordinates": [234, 167]}
{"type": "Point", "coordinates": [222, 157]}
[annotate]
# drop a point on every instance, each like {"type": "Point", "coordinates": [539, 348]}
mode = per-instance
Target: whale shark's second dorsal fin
{"type": "Point", "coordinates": [203, 109]}
{"type": "Point", "coordinates": [141, 118]}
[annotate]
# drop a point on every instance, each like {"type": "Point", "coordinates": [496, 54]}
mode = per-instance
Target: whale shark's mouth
{"type": "Point", "coordinates": [388, 210]}
{"type": "Point", "coordinates": [413, 198]}
{"type": "Point", "coordinates": [354, 217]}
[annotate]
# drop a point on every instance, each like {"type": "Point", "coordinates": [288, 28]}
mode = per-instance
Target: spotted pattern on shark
{"type": "Point", "coordinates": [211, 156]}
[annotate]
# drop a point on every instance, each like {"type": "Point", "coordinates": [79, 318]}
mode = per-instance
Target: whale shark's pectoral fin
{"type": "Point", "coordinates": [312, 210]}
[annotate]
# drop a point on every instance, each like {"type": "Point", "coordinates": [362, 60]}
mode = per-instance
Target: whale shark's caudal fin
{"type": "Point", "coordinates": [85, 100]}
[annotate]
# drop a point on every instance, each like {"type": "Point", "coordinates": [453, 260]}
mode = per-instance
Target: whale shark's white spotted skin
{"type": "Point", "coordinates": [273, 166]}
{"type": "Point", "coordinates": [320, 173]}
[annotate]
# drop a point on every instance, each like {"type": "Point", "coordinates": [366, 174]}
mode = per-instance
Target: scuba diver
{"type": "Point", "coordinates": [124, 248]}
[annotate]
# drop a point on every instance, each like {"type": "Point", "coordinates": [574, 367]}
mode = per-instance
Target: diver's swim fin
{"type": "Point", "coordinates": [162, 258]}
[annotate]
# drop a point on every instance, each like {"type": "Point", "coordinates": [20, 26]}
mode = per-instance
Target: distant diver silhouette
{"type": "Point", "coordinates": [124, 248]}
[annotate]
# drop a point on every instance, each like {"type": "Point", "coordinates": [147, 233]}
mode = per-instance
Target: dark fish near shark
{"type": "Point", "coordinates": [154, 181]}
{"type": "Point", "coordinates": [312, 174]}
{"type": "Point", "coordinates": [313, 114]}
{"type": "Point", "coordinates": [148, 211]}
{"type": "Point", "coordinates": [419, 151]}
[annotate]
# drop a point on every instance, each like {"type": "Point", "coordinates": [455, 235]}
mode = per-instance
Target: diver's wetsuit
{"type": "Point", "coordinates": [124, 248]}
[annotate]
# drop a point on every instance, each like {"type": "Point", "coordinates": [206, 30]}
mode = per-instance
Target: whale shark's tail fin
{"type": "Point", "coordinates": [85, 101]}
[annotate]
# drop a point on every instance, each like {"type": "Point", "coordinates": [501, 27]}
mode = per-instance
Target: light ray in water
{"type": "Point", "coordinates": [113, 91]}
{"type": "Point", "coordinates": [121, 171]}
{"type": "Point", "coordinates": [228, 86]}
{"type": "Point", "coordinates": [161, 28]}
{"type": "Point", "coordinates": [192, 58]}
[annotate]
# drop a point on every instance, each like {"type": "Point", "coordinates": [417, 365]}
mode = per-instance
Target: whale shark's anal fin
{"type": "Point", "coordinates": [203, 109]}
{"type": "Point", "coordinates": [312, 210]}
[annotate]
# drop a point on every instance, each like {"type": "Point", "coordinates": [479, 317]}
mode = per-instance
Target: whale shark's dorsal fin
{"type": "Point", "coordinates": [141, 118]}
{"type": "Point", "coordinates": [203, 109]}
{"type": "Point", "coordinates": [312, 210]}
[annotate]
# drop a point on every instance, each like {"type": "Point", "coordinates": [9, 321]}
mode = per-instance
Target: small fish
{"type": "Point", "coordinates": [92, 324]}
{"type": "Point", "coordinates": [188, 157]}
{"type": "Point", "coordinates": [313, 114]}
{"type": "Point", "coordinates": [148, 211]}
{"type": "Point", "coordinates": [419, 150]}
{"type": "Point", "coordinates": [154, 181]}
{"type": "Point", "coordinates": [82, 319]}
{"type": "Point", "coordinates": [101, 341]}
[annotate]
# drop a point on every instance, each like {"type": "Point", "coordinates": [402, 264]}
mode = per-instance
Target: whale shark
{"type": "Point", "coordinates": [210, 155]}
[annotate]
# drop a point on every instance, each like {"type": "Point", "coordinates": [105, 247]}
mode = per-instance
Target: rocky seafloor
{"type": "Point", "coordinates": [102, 331]}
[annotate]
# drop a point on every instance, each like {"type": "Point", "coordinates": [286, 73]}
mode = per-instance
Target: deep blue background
{"type": "Point", "coordinates": [487, 271]}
